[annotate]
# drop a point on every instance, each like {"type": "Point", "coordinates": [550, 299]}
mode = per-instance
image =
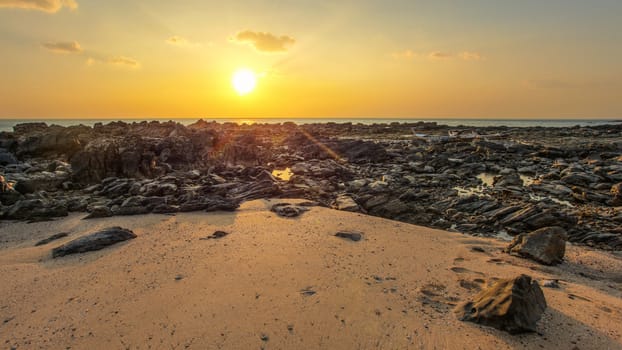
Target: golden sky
{"type": "Point", "coordinates": [351, 58]}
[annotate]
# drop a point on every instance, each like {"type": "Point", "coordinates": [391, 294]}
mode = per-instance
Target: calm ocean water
{"type": "Point", "coordinates": [7, 124]}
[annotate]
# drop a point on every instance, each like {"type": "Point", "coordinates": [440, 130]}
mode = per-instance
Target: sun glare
{"type": "Point", "coordinates": [244, 81]}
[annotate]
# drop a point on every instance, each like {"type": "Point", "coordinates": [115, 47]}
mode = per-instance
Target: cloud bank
{"type": "Point", "coordinates": [63, 47]}
{"type": "Point", "coordinates": [265, 42]}
{"type": "Point", "coordinates": [50, 6]}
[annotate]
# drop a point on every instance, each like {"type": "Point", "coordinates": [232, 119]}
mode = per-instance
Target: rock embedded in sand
{"type": "Point", "coordinates": [288, 210]}
{"type": "Point", "coordinates": [216, 235]}
{"type": "Point", "coordinates": [513, 305]}
{"type": "Point", "coordinates": [94, 241]}
{"type": "Point", "coordinates": [546, 245]}
{"type": "Point", "coordinates": [354, 236]}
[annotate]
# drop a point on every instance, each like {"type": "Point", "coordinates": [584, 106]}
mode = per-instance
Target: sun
{"type": "Point", "coordinates": [244, 81]}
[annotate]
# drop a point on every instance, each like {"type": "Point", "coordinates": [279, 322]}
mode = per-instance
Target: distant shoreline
{"type": "Point", "coordinates": [7, 124]}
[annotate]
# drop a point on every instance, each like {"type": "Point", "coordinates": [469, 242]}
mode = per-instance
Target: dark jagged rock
{"type": "Point", "coordinates": [261, 189]}
{"type": "Point", "coordinates": [167, 167]}
{"type": "Point", "coordinates": [35, 209]}
{"type": "Point", "coordinates": [210, 204]}
{"type": "Point", "coordinates": [7, 157]}
{"type": "Point", "coordinates": [94, 241]}
{"type": "Point", "coordinates": [221, 204]}
{"type": "Point", "coordinates": [42, 140]}
{"type": "Point", "coordinates": [546, 245]}
{"type": "Point", "coordinates": [51, 238]}
{"type": "Point", "coordinates": [513, 305]}
{"type": "Point", "coordinates": [99, 211]}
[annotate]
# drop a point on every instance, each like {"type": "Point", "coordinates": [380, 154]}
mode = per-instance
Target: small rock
{"type": "Point", "coordinates": [288, 210]}
{"type": "Point", "coordinates": [216, 235]}
{"type": "Point", "coordinates": [551, 284]}
{"type": "Point", "coordinates": [513, 305]}
{"type": "Point", "coordinates": [307, 292]}
{"type": "Point", "coordinates": [354, 236]}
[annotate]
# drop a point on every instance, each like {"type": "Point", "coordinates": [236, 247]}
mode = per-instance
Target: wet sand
{"type": "Point", "coordinates": [278, 283]}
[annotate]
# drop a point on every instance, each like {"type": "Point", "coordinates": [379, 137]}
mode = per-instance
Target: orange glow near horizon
{"type": "Point", "coordinates": [340, 60]}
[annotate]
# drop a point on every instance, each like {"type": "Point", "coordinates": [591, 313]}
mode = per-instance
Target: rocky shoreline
{"type": "Point", "coordinates": [520, 180]}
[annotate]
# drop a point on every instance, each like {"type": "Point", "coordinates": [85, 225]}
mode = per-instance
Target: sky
{"type": "Point", "coordinates": [349, 58]}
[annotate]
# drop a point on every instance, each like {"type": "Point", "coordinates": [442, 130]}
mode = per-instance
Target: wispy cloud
{"type": "Point", "coordinates": [119, 61]}
{"type": "Point", "coordinates": [406, 55]}
{"type": "Point", "coordinates": [437, 56]}
{"type": "Point", "coordinates": [50, 6]}
{"type": "Point", "coordinates": [177, 40]}
{"type": "Point", "coordinates": [124, 61]}
{"type": "Point", "coordinates": [265, 42]}
{"type": "Point", "coordinates": [470, 56]}
{"type": "Point", "coordinates": [181, 41]}
{"type": "Point", "coordinates": [66, 47]}
{"type": "Point", "coordinates": [73, 47]}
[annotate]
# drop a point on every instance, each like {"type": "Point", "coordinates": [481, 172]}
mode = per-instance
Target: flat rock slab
{"type": "Point", "coordinates": [513, 305]}
{"type": "Point", "coordinates": [94, 241]}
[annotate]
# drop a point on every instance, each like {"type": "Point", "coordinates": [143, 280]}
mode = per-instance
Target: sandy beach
{"type": "Point", "coordinates": [285, 283]}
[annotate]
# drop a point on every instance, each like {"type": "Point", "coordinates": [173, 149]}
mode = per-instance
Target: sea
{"type": "Point", "coordinates": [7, 124]}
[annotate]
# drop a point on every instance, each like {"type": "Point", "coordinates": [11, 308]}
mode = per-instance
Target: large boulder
{"type": "Point", "coordinates": [546, 245]}
{"type": "Point", "coordinates": [94, 241]}
{"type": "Point", "coordinates": [513, 305]}
{"type": "Point", "coordinates": [98, 160]}
{"type": "Point", "coordinates": [39, 140]}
